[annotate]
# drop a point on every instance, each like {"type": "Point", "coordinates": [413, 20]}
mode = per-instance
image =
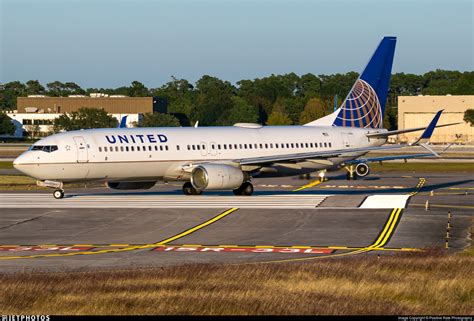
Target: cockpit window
{"type": "Point", "coordinates": [45, 148]}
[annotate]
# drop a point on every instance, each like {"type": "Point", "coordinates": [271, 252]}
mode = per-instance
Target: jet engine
{"type": "Point", "coordinates": [130, 185]}
{"type": "Point", "coordinates": [362, 169]}
{"type": "Point", "coordinates": [216, 176]}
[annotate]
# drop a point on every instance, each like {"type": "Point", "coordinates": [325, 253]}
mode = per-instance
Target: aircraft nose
{"type": "Point", "coordinates": [22, 160]}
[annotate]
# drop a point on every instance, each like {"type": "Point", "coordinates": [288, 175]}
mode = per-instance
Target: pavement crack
{"type": "Point", "coordinates": [22, 222]}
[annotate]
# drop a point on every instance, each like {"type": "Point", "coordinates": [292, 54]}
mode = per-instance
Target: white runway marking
{"type": "Point", "coordinates": [385, 201]}
{"type": "Point", "coordinates": [286, 201]}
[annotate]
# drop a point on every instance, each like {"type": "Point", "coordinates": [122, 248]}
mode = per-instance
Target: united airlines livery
{"type": "Point", "coordinates": [228, 158]}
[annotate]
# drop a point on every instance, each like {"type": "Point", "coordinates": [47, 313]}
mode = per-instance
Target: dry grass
{"type": "Point", "coordinates": [403, 284]}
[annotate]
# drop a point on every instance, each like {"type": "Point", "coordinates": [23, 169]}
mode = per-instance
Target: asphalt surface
{"type": "Point", "coordinates": [65, 237]}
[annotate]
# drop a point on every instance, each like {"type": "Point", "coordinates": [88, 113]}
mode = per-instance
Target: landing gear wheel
{"type": "Point", "coordinates": [58, 194]}
{"type": "Point", "coordinates": [188, 189]}
{"type": "Point", "coordinates": [246, 189]}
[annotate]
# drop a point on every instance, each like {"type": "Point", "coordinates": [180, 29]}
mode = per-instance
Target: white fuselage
{"type": "Point", "coordinates": [147, 154]}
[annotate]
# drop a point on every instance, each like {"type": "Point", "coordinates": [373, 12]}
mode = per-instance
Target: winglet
{"type": "Point", "coordinates": [429, 130]}
{"type": "Point", "coordinates": [123, 122]}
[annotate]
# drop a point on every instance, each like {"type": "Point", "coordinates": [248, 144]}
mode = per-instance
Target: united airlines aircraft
{"type": "Point", "coordinates": [227, 158]}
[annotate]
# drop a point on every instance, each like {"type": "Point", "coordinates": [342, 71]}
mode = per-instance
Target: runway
{"type": "Point", "coordinates": [97, 229]}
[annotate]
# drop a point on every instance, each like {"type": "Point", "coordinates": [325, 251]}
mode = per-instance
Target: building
{"type": "Point", "coordinates": [418, 111]}
{"type": "Point", "coordinates": [36, 113]}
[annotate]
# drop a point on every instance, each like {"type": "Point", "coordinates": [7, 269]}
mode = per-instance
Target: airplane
{"type": "Point", "coordinates": [228, 157]}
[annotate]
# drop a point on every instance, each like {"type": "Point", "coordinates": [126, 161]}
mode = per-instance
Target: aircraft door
{"type": "Point", "coordinates": [81, 147]}
{"type": "Point", "coordinates": [346, 142]}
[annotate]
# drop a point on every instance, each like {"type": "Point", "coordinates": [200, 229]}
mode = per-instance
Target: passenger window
{"type": "Point", "coordinates": [126, 148]}
{"type": "Point", "coordinates": [245, 146]}
{"type": "Point", "coordinates": [177, 147]}
{"type": "Point", "coordinates": [266, 146]}
{"type": "Point", "coordinates": [276, 145]}
{"type": "Point", "coordinates": [198, 147]}
{"type": "Point", "coordinates": [240, 146]}
{"type": "Point", "coordinates": [311, 145]}
{"type": "Point", "coordinates": [271, 145]}
{"type": "Point", "coordinates": [250, 146]}
{"type": "Point", "coordinates": [255, 146]}
{"type": "Point", "coordinates": [230, 146]}
{"type": "Point", "coordinates": [138, 148]}
{"type": "Point", "coordinates": [297, 145]}
{"type": "Point", "coordinates": [292, 145]}
{"type": "Point", "coordinates": [100, 149]}
{"type": "Point", "coordinates": [235, 146]}
{"type": "Point", "coordinates": [132, 149]}
{"type": "Point", "coordinates": [287, 145]}
{"type": "Point", "coordinates": [194, 147]}
{"type": "Point", "coordinates": [156, 148]}
{"type": "Point", "coordinates": [166, 147]}
{"type": "Point", "coordinates": [325, 145]}
{"type": "Point", "coordinates": [161, 148]}
{"type": "Point", "coordinates": [218, 146]}
{"type": "Point", "coordinates": [320, 144]}
{"type": "Point", "coordinates": [213, 146]}
{"type": "Point", "coordinates": [105, 148]}
{"type": "Point", "coordinates": [329, 144]}
{"type": "Point", "coordinates": [225, 146]}
{"type": "Point", "coordinates": [261, 146]}
{"type": "Point", "coordinates": [189, 147]}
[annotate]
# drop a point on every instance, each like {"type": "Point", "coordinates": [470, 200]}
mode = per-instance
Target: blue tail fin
{"type": "Point", "coordinates": [364, 106]}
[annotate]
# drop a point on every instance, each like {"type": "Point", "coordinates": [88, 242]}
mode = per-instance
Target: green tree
{"type": "Point", "coordinates": [469, 116]}
{"type": "Point", "coordinates": [241, 112]}
{"type": "Point", "coordinates": [85, 118]}
{"type": "Point", "coordinates": [8, 94]}
{"type": "Point", "coordinates": [213, 100]}
{"type": "Point", "coordinates": [137, 89]}
{"type": "Point", "coordinates": [6, 125]}
{"type": "Point", "coordinates": [158, 120]}
{"type": "Point", "coordinates": [33, 87]}
{"type": "Point", "coordinates": [313, 110]}
{"type": "Point", "coordinates": [279, 118]}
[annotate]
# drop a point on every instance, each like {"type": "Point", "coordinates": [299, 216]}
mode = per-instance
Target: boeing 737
{"type": "Point", "coordinates": [227, 158]}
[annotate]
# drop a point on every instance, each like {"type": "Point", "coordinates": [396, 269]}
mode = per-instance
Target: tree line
{"type": "Point", "coordinates": [274, 100]}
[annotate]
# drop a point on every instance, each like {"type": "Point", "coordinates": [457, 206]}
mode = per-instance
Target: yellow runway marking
{"type": "Point", "coordinates": [131, 248]}
{"type": "Point", "coordinates": [377, 245]}
{"type": "Point", "coordinates": [312, 184]}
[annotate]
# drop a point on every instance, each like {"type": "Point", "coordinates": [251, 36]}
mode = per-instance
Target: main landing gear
{"type": "Point", "coordinates": [188, 189]}
{"type": "Point", "coordinates": [246, 189]}
{"type": "Point", "coordinates": [58, 194]}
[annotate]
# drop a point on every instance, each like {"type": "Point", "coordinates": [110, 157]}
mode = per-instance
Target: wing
{"type": "Point", "coordinates": [311, 155]}
{"type": "Point", "coordinates": [385, 158]}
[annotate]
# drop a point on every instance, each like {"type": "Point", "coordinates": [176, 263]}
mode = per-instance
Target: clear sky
{"type": "Point", "coordinates": [106, 43]}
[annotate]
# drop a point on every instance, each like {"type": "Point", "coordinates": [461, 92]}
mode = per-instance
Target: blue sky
{"type": "Point", "coordinates": [105, 43]}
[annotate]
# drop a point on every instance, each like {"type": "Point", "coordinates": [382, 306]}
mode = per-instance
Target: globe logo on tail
{"type": "Point", "coordinates": [361, 108]}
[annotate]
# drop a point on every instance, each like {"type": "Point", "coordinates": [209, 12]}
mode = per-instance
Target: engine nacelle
{"type": "Point", "coordinates": [130, 185]}
{"type": "Point", "coordinates": [216, 176]}
{"type": "Point", "coordinates": [362, 169]}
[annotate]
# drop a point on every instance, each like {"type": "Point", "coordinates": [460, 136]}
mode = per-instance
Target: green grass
{"type": "Point", "coordinates": [6, 165]}
{"type": "Point", "coordinates": [424, 167]}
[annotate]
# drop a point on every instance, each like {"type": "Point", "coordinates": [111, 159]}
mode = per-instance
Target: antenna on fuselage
{"type": "Point", "coordinates": [335, 102]}
{"type": "Point", "coordinates": [196, 124]}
